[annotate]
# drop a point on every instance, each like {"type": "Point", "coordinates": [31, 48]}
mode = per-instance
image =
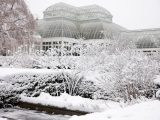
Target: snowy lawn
{"type": "Point", "coordinates": [3, 119]}
{"type": "Point", "coordinates": [143, 111]}
{"type": "Point", "coordinates": [71, 102]}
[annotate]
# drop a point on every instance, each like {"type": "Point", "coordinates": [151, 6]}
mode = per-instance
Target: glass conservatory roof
{"type": "Point", "coordinates": [89, 22]}
{"type": "Point", "coordinates": [57, 28]}
{"type": "Point", "coordinates": [77, 10]}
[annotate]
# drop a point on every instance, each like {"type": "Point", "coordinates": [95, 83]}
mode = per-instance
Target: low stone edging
{"type": "Point", "coordinates": [50, 109]}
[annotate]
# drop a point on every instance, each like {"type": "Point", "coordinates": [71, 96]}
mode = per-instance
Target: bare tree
{"type": "Point", "coordinates": [16, 24]}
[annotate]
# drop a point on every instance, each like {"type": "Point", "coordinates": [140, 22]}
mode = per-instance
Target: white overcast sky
{"type": "Point", "coordinates": [131, 14]}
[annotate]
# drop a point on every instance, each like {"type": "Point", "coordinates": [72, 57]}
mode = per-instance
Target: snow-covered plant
{"type": "Point", "coordinates": [59, 82]}
{"type": "Point", "coordinates": [8, 98]}
{"type": "Point", "coordinates": [129, 75]}
{"type": "Point", "coordinates": [16, 25]}
{"type": "Point", "coordinates": [21, 59]}
{"type": "Point", "coordinates": [33, 84]}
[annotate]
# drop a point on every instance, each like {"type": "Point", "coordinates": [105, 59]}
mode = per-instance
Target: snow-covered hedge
{"type": "Point", "coordinates": [7, 97]}
{"type": "Point", "coordinates": [53, 83]}
{"type": "Point", "coordinates": [32, 84]}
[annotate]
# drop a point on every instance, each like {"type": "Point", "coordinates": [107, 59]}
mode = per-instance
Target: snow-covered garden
{"type": "Point", "coordinates": [108, 84]}
{"type": "Point", "coordinates": [105, 82]}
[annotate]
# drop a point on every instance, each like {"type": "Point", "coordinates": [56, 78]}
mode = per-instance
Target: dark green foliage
{"type": "Point", "coordinates": [54, 84]}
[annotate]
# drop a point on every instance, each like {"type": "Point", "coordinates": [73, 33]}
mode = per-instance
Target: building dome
{"type": "Point", "coordinates": [60, 6]}
{"type": "Point", "coordinates": [57, 28]}
{"type": "Point", "coordinates": [78, 10]}
{"type": "Point", "coordinates": [94, 8]}
{"type": "Point", "coordinates": [60, 9]}
{"type": "Point", "coordinates": [89, 22]}
{"type": "Point", "coordinates": [77, 13]}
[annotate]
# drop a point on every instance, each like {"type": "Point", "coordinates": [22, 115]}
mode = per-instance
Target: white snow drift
{"type": "Point", "coordinates": [143, 111]}
{"type": "Point", "coordinates": [71, 102]}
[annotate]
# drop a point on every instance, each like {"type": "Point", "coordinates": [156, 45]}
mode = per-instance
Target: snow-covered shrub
{"type": "Point", "coordinates": [40, 59]}
{"type": "Point", "coordinates": [8, 98]}
{"type": "Point", "coordinates": [157, 84]}
{"type": "Point", "coordinates": [127, 76]}
{"type": "Point", "coordinates": [87, 89]}
{"type": "Point", "coordinates": [158, 94]}
{"type": "Point", "coordinates": [20, 59]}
{"type": "Point", "coordinates": [56, 83]}
{"type": "Point", "coordinates": [138, 75]}
{"type": "Point", "coordinates": [33, 84]}
{"type": "Point", "coordinates": [157, 81]}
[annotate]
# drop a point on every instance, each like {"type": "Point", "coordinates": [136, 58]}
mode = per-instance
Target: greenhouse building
{"type": "Point", "coordinates": [64, 26]}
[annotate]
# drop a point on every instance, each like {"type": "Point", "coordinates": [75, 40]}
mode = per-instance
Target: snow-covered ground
{"type": "Point", "coordinates": [71, 102]}
{"type": "Point", "coordinates": [3, 119]}
{"type": "Point", "coordinates": [23, 114]}
{"type": "Point", "coordinates": [143, 111]}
